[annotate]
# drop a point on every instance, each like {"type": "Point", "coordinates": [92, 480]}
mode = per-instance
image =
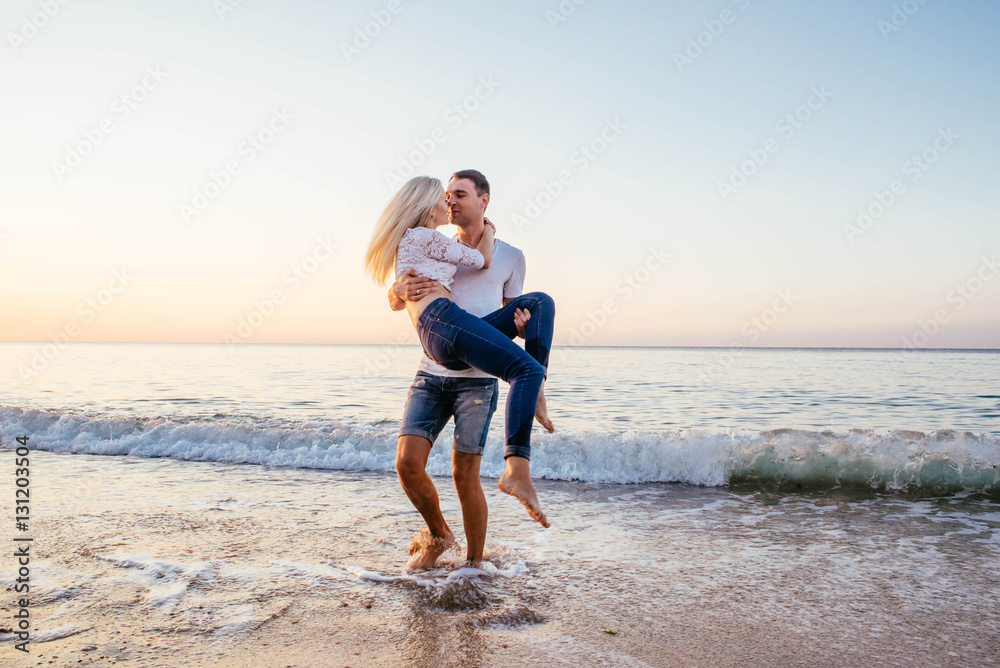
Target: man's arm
{"type": "Point", "coordinates": [515, 287]}
{"type": "Point", "coordinates": [405, 289]}
{"type": "Point", "coordinates": [395, 303]}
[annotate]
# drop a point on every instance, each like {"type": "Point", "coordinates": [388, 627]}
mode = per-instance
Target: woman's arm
{"type": "Point", "coordinates": [439, 247]}
{"type": "Point", "coordinates": [486, 245]}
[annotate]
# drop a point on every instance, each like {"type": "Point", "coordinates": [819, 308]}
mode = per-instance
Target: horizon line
{"type": "Point", "coordinates": [417, 345]}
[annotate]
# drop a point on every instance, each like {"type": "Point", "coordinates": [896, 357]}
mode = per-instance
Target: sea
{"type": "Point", "coordinates": [709, 506]}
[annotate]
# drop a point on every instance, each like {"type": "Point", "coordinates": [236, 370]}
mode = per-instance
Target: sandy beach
{"type": "Point", "coordinates": [157, 562]}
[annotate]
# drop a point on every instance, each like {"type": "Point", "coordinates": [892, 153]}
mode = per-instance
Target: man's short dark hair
{"type": "Point", "coordinates": [482, 185]}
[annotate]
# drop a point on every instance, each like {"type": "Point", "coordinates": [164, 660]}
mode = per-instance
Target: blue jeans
{"type": "Point", "coordinates": [456, 339]}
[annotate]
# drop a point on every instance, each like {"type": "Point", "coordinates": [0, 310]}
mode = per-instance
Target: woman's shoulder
{"type": "Point", "coordinates": [422, 233]}
{"type": "Point", "coordinates": [421, 230]}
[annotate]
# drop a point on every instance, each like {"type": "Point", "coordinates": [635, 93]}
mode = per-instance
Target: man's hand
{"type": "Point", "coordinates": [521, 317]}
{"type": "Point", "coordinates": [410, 287]}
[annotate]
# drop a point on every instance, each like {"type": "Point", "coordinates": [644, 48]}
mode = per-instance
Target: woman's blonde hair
{"type": "Point", "coordinates": [410, 207]}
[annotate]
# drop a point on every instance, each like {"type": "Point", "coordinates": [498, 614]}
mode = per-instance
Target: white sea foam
{"type": "Point", "coordinates": [165, 597]}
{"type": "Point", "coordinates": [438, 577]}
{"type": "Point", "coordinates": [944, 461]}
{"type": "Point", "coordinates": [178, 588]}
{"type": "Point", "coordinates": [46, 577]}
{"type": "Point", "coordinates": [160, 568]}
{"type": "Point", "coordinates": [47, 635]}
{"type": "Point", "coordinates": [461, 588]}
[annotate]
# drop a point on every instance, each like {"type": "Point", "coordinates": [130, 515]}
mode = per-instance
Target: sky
{"type": "Point", "coordinates": [724, 173]}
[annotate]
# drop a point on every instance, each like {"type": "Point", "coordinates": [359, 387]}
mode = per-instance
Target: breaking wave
{"type": "Point", "coordinates": [937, 462]}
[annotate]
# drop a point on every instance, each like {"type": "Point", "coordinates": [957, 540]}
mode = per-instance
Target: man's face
{"type": "Point", "coordinates": [464, 205]}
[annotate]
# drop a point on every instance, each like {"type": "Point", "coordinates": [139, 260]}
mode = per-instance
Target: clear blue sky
{"type": "Point", "coordinates": [767, 262]}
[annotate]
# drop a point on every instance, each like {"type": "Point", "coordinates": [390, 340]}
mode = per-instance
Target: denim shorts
{"type": "Point", "coordinates": [432, 400]}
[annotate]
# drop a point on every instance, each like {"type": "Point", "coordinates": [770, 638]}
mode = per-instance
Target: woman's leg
{"type": "Point", "coordinates": [454, 334]}
{"type": "Point", "coordinates": [539, 330]}
{"type": "Point", "coordinates": [537, 337]}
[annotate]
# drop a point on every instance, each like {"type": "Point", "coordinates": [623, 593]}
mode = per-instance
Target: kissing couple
{"type": "Point", "coordinates": [463, 295]}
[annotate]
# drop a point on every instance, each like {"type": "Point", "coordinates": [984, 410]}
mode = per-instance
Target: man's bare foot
{"type": "Point", "coordinates": [425, 549]}
{"type": "Point", "coordinates": [516, 481]}
{"type": "Point", "coordinates": [542, 413]}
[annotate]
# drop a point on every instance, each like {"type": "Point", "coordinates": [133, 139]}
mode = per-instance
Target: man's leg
{"type": "Point", "coordinates": [475, 403]}
{"type": "Point", "coordinates": [427, 409]}
{"type": "Point", "coordinates": [475, 513]}
{"type": "Point", "coordinates": [411, 465]}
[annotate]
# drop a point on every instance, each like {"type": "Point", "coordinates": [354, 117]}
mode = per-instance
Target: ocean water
{"type": "Point", "coordinates": [777, 418]}
{"type": "Point", "coordinates": [200, 505]}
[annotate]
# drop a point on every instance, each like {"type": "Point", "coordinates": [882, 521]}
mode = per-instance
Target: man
{"type": "Point", "coordinates": [470, 395]}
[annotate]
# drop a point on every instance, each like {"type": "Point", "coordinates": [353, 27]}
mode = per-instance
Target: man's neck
{"type": "Point", "coordinates": [472, 232]}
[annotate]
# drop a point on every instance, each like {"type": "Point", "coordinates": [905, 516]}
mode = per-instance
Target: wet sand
{"type": "Point", "coordinates": [157, 562]}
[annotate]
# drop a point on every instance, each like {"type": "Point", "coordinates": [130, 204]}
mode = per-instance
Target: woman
{"type": "Point", "coordinates": [405, 237]}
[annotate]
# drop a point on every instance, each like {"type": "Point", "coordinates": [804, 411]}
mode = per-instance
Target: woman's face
{"type": "Point", "coordinates": [439, 216]}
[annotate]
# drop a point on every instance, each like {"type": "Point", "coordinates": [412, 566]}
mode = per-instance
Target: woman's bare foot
{"type": "Point", "coordinates": [516, 481]}
{"type": "Point", "coordinates": [542, 413]}
{"type": "Point", "coordinates": [425, 549]}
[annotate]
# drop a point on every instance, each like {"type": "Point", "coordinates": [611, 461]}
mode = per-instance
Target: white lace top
{"type": "Point", "coordinates": [434, 255]}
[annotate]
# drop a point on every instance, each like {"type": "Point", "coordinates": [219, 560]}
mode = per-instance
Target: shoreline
{"type": "Point", "coordinates": [169, 563]}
